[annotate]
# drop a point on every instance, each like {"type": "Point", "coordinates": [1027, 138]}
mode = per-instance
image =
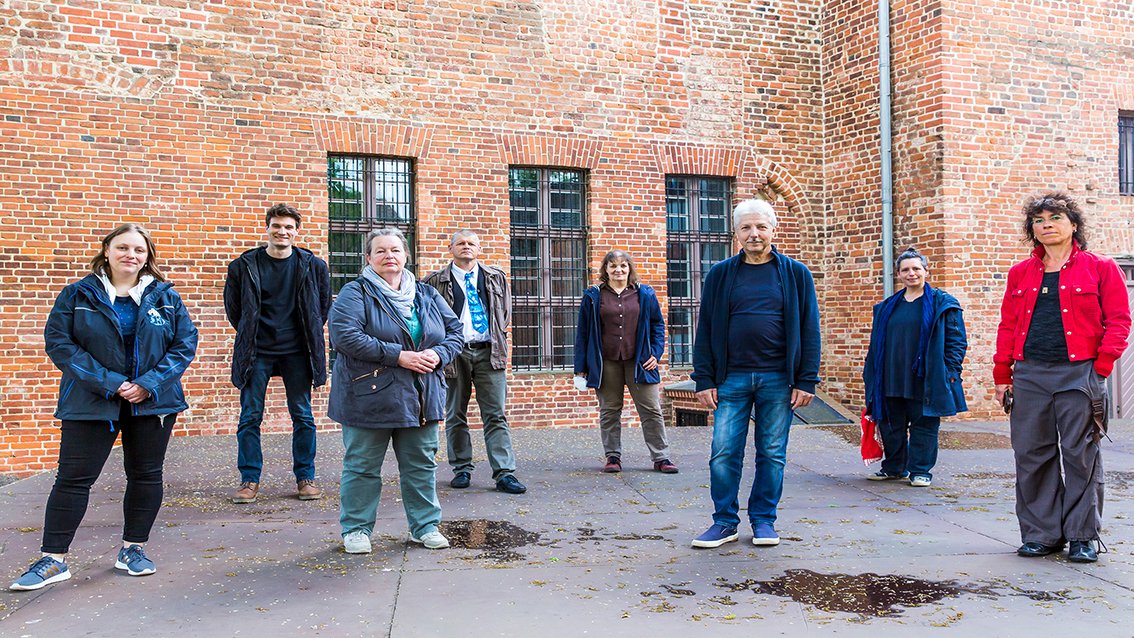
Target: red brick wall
{"type": "Point", "coordinates": [193, 118]}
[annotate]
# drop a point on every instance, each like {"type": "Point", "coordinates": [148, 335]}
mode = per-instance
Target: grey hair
{"type": "Point", "coordinates": [910, 253]}
{"type": "Point", "coordinates": [386, 232]}
{"type": "Point", "coordinates": [464, 232]}
{"type": "Point", "coordinates": [753, 207]}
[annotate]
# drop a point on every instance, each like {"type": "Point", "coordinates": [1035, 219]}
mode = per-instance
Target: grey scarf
{"type": "Point", "coordinates": [403, 298]}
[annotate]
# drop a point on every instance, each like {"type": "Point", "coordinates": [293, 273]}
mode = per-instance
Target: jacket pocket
{"type": "Point", "coordinates": [1087, 306]}
{"type": "Point", "coordinates": [371, 383]}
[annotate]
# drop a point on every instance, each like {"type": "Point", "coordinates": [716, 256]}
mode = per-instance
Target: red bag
{"type": "Point", "coordinates": [871, 446]}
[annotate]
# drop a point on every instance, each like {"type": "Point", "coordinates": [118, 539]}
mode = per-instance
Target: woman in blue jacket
{"type": "Point", "coordinates": [122, 339]}
{"type": "Point", "coordinates": [393, 337]}
{"type": "Point", "coordinates": [913, 371]}
{"type": "Point", "coordinates": [619, 340]}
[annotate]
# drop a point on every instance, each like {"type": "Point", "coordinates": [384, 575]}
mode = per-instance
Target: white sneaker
{"type": "Point", "coordinates": [431, 540]}
{"type": "Point", "coordinates": [921, 481]}
{"type": "Point", "coordinates": [356, 543]}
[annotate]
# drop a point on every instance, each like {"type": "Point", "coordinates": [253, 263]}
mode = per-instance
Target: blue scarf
{"type": "Point", "coordinates": [928, 310]}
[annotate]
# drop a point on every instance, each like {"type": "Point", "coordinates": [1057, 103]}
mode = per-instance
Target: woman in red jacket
{"type": "Point", "coordinates": [1064, 321]}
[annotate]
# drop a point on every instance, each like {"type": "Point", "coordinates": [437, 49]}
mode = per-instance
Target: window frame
{"type": "Point", "coordinates": [1126, 153]}
{"type": "Point", "coordinates": [695, 238]}
{"type": "Point", "coordinates": [545, 303]}
{"type": "Point", "coordinates": [370, 218]}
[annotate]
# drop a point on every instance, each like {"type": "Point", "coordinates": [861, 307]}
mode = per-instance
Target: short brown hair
{"type": "Point", "coordinates": [283, 210]}
{"type": "Point", "coordinates": [1055, 202]}
{"type": "Point", "coordinates": [631, 279]}
{"type": "Point", "coordinates": [100, 264]}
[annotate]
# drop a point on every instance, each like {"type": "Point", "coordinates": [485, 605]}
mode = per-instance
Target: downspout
{"type": "Point", "coordinates": [885, 134]}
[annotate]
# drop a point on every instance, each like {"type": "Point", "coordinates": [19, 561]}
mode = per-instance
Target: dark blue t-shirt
{"type": "Point", "coordinates": [903, 336]}
{"type": "Point", "coordinates": [757, 342]}
{"type": "Point", "coordinates": [127, 312]}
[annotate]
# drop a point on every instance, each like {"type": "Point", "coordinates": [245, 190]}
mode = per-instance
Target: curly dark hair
{"type": "Point", "coordinates": [1055, 202]}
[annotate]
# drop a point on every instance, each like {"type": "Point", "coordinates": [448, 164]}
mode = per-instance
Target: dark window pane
{"type": "Point", "coordinates": [344, 258]}
{"type": "Point", "coordinates": [677, 261]}
{"type": "Point", "coordinates": [676, 214]}
{"type": "Point", "coordinates": [525, 267]}
{"type": "Point", "coordinates": [711, 254]}
{"type": "Point", "coordinates": [568, 267]}
{"type": "Point", "coordinates": [525, 337]}
{"type": "Point", "coordinates": [680, 336]}
{"type": "Point", "coordinates": [563, 334]}
{"type": "Point", "coordinates": [1126, 155]}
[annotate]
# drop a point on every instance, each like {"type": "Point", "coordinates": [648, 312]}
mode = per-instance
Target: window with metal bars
{"type": "Point", "coordinates": [549, 264]}
{"type": "Point", "coordinates": [1126, 153]}
{"type": "Point", "coordinates": [363, 193]}
{"type": "Point", "coordinates": [698, 235]}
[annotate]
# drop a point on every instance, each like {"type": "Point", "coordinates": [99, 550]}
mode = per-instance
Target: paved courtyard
{"type": "Point", "coordinates": [582, 553]}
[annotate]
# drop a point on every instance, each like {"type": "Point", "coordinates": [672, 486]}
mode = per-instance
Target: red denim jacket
{"type": "Point", "coordinates": [1096, 311]}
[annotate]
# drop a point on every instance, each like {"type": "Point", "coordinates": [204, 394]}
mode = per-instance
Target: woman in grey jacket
{"type": "Point", "coordinates": [393, 337]}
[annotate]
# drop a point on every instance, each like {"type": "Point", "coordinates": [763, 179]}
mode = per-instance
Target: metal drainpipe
{"type": "Point", "coordinates": [885, 134]}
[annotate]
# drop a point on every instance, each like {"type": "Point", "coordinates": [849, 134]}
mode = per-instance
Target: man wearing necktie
{"type": "Point", "coordinates": [479, 295]}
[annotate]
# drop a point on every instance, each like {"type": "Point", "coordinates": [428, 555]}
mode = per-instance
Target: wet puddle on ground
{"type": "Point", "coordinates": [497, 540]}
{"type": "Point", "coordinates": [873, 594]}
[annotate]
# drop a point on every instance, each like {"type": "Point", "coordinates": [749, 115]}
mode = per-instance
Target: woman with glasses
{"type": "Point", "coordinates": [1064, 321]}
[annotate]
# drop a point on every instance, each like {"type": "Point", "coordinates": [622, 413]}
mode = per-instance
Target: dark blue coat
{"type": "Point", "coordinates": [650, 341]}
{"type": "Point", "coordinates": [944, 359]}
{"type": "Point", "coordinates": [83, 340]}
{"type": "Point", "coordinates": [369, 389]}
{"type": "Point", "coordinates": [801, 324]}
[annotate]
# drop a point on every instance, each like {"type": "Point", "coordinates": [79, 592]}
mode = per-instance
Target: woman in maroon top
{"type": "Point", "coordinates": [618, 343]}
{"type": "Point", "coordinates": [1064, 321]}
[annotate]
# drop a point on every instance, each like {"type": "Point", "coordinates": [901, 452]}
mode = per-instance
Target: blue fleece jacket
{"type": "Point", "coordinates": [801, 323]}
{"type": "Point", "coordinates": [650, 340]}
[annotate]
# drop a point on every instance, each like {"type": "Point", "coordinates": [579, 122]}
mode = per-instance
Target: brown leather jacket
{"type": "Point", "coordinates": [499, 307]}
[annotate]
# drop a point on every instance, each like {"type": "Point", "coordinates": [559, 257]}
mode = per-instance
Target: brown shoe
{"type": "Point", "coordinates": [306, 490]}
{"type": "Point", "coordinates": [246, 493]}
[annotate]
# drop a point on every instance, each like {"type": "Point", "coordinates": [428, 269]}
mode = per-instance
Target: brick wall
{"type": "Point", "coordinates": [193, 118]}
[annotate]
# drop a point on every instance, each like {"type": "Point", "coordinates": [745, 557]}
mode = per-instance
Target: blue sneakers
{"type": "Point", "coordinates": [134, 561]}
{"type": "Point", "coordinates": [764, 534]}
{"type": "Point", "coordinates": [716, 536]}
{"type": "Point", "coordinates": [43, 572]}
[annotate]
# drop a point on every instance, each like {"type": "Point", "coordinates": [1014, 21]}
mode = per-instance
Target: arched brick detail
{"type": "Point", "coordinates": [544, 150]}
{"type": "Point", "coordinates": [373, 138]}
{"type": "Point", "coordinates": [690, 159]}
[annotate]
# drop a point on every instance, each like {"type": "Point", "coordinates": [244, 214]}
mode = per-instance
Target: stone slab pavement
{"type": "Point", "coordinates": [582, 553]}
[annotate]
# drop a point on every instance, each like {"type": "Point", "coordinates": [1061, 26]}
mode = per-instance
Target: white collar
{"type": "Point", "coordinates": [135, 293]}
{"type": "Point", "coordinates": [460, 273]}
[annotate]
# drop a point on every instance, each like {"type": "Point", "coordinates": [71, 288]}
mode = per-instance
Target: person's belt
{"type": "Point", "coordinates": [479, 344]}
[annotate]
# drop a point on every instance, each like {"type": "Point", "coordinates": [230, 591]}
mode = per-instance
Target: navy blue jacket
{"type": "Point", "coordinates": [801, 324]}
{"type": "Point", "coordinates": [83, 340]}
{"type": "Point", "coordinates": [650, 340]}
{"type": "Point", "coordinates": [944, 357]}
{"type": "Point", "coordinates": [370, 389]}
{"type": "Point", "coordinates": [242, 306]}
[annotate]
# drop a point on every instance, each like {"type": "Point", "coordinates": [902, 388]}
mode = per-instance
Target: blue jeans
{"type": "Point", "coordinates": [296, 372]}
{"type": "Point", "coordinates": [916, 455]}
{"type": "Point", "coordinates": [771, 394]}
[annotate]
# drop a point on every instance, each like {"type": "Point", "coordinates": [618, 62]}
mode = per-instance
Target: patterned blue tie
{"type": "Point", "coordinates": [476, 309]}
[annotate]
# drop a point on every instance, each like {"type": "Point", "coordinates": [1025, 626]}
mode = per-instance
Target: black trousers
{"type": "Point", "coordinates": [83, 450]}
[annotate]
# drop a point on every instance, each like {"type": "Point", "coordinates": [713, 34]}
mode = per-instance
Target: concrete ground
{"type": "Point", "coordinates": [582, 553]}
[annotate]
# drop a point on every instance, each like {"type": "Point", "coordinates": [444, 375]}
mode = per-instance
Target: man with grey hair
{"type": "Point", "coordinates": [479, 296]}
{"type": "Point", "coordinates": [757, 345]}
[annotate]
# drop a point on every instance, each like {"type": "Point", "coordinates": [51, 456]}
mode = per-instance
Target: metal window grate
{"type": "Point", "coordinates": [691, 418]}
{"type": "Point", "coordinates": [363, 193]}
{"type": "Point", "coordinates": [1126, 154]}
{"type": "Point", "coordinates": [698, 235]}
{"type": "Point", "coordinates": [549, 264]}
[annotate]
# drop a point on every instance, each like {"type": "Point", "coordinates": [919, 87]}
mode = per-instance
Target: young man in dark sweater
{"type": "Point", "coordinates": [277, 298]}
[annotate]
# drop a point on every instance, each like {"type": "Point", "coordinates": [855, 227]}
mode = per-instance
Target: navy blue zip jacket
{"type": "Point", "coordinates": [83, 340]}
{"type": "Point", "coordinates": [370, 389]}
{"type": "Point", "coordinates": [242, 307]}
{"type": "Point", "coordinates": [650, 341]}
{"type": "Point", "coordinates": [801, 324]}
{"type": "Point", "coordinates": [944, 357]}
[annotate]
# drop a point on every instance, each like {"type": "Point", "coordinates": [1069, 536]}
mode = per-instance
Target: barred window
{"type": "Point", "coordinates": [698, 235]}
{"type": "Point", "coordinates": [364, 193]}
{"type": "Point", "coordinates": [549, 264]}
{"type": "Point", "coordinates": [1126, 153]}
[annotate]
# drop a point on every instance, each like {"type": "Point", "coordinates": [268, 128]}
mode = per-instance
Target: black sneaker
{"type": "Point", "coordinates": [461, 480]}
{"type": "Point", "coordinates": [1082, 552]}
{"type": "Point", "coordinates": [510, 484]}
